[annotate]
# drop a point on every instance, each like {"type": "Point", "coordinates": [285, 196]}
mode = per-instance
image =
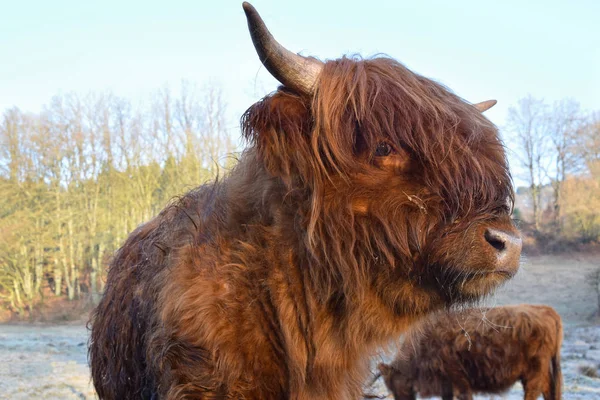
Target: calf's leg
{"type": "Point", "coordinates": [467, 395]}
{"type": "Point", "coordinates": [532, 388]}
{"type": "Point", "coordinates": [447, 390]}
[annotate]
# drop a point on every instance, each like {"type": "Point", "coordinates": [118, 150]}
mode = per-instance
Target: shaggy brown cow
{"type": "Point", "coordinates": [367, 197]}
{"type": "Point", "coordinates": [480, 351]}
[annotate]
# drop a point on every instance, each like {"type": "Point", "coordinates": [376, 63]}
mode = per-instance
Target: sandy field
{"type": "Point", "coordinates": [49, 362]}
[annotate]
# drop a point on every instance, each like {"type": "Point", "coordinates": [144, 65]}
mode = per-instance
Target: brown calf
{"type": "Point", "coordinates": [480, 351]}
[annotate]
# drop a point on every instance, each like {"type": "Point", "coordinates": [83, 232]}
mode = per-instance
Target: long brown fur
{"type": "Point", "coordinates": [280, 280]}
{"type": "Point", "coordinates": [480, 351]}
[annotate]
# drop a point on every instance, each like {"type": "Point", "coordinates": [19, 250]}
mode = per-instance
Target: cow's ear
{"type": "Point", "coordinates": [279, 127]}
{"type": "Point", "coordinates": [384, 369]}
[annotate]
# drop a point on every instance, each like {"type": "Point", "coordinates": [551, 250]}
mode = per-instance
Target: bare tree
{"type": "Point", "coordinates": [564, 120]}
{"type": "Point", "coordinates": [588, 139]}
{"type": "Point", "coordinates": [580, 195]}
{"type": "Point", "coordinates": [527, 122]}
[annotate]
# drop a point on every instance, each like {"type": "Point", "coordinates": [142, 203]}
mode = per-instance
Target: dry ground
{"type": "Point", "coordinates": [49, 362]}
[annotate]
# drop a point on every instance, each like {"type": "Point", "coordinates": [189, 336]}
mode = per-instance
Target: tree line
{"type": "Point", "coordinates": [558, 151]}
{"type": "Point", "coordinates": [81, 174]}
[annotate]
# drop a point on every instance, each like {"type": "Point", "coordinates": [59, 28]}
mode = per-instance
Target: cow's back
{"type": "Point", "coordinates": [127, 318]}
{"type": "Point", "coordinates": [484, 350]}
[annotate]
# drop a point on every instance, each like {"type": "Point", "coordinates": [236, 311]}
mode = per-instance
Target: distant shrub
{"type": "Point", "coordinates": [589, 371]}
{"type": "Point", "coordinates": [593, 279]}
{"type": "Point", "coordinates": [517, 214]}
{"type": "Point", "coordinates": [580, 204]}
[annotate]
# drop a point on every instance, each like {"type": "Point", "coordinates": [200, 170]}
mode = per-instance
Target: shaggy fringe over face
{"type": "Point", "coordinates": [322, 147]}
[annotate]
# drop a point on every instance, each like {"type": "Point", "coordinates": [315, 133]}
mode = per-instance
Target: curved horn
{"type": "Point", "coordinates": [485, 105]}
{"type": "Point", "coordinates": [294, 71]}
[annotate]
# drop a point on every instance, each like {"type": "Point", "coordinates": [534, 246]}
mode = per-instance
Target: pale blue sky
{"type": "Point", "coordinates": [480, 49]}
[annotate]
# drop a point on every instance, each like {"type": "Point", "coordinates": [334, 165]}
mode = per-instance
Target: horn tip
{"type": "Point", "coordinates": [252, 16]}
{"type": "Point", "coordinates": [248, 8]}
{"type": "Point", "coordinates": [485, 105]}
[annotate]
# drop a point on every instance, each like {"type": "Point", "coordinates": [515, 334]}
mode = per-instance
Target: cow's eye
{"type": "Point", "coordinates": [383, 149]}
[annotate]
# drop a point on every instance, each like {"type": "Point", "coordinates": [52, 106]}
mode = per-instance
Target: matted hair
{"type": "Point", "coordinates": [313, 145]}
{"type": "Point", "coordinates": [285, 275]}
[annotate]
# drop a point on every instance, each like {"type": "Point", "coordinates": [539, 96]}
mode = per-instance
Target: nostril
{"type": "Point", "coordinates": [496, 239]}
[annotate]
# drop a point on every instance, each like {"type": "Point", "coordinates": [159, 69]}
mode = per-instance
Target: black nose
{"type": "Point", "coordinates": [508, 246]}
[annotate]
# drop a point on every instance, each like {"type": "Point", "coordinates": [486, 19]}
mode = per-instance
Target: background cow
{"type": "Point", "coordinates": [367, 197]}
{"type": "Point", "coordinates": [480, 350]}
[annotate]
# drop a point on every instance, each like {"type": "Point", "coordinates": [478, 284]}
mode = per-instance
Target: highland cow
{"type": "Point", "coordinates": [367, 197]}
{"type": "Point", "coordinates": [480, 351]}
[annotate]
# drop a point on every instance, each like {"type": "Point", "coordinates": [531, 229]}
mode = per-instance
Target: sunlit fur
{"type": "Point", "coordinates": [480, 351]}
{"type": "Point", "coordinates": [280, 280]}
